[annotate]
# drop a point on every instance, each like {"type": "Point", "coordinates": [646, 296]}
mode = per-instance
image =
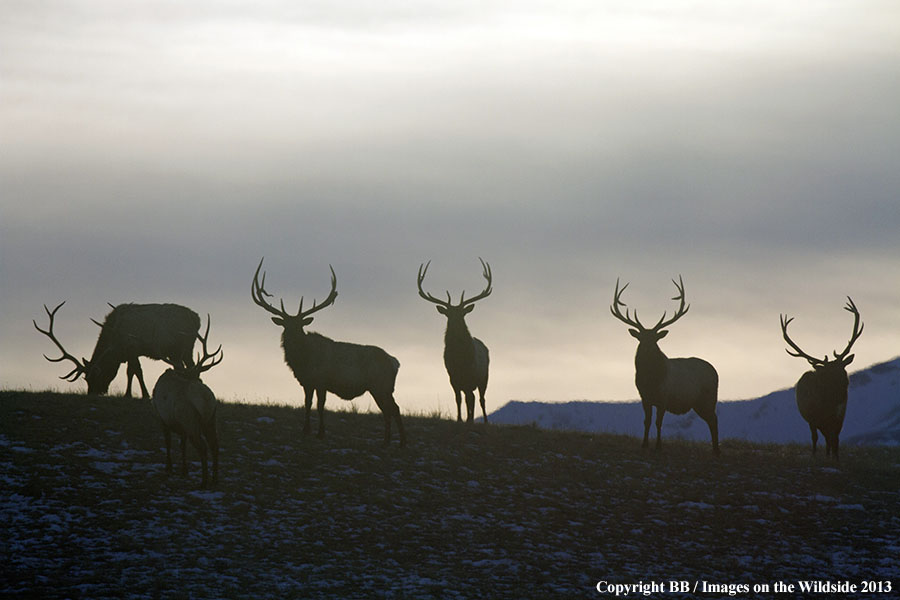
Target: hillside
{"type": "Point", "coordinates": [873, 415]}
{"type": "Point", "coordinates": [461, 512]}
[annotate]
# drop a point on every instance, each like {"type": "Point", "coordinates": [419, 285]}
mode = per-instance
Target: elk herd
{"type": "Point", "coordinates": [186, 406]}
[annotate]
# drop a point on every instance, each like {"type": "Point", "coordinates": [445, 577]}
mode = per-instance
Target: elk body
{"type": "Point", "coordinates": [186, 406]}
{"type": "Point", "coordinates": [322, 365]}
{"type": "Point", "coordinates": [675, 385]}
{"type": "Point", "coordinates": [158, 331]}
{"type": "Point", "coordinates": [822, 392]}
{"type": "Point", "coordinates": [465, 357]}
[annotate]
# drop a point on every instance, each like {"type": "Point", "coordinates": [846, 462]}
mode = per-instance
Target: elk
{"type": "Point", "coordinates": [822, 392]}
{"type": "Point", "coordinates": [322, 365]}
{"type": "Point", "coordinates": [465, 357]}
{"type": "Point", "coordinates": [186, 406]}
{"type": "Point", "coordinates": [158, 331]}
{"type": "Point", "coordinates": [676, 385]}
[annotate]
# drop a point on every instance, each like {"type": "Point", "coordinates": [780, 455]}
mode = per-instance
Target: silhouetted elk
{"type": "Point", "coordinates": [822, 392]}
{"type": "Point", "coordinates": [323, 365]}
{"type": "Point", "coordinates": [186, 406]}
{"type": "Point", "coordinates": [676, 385]}
{"type": "Point", "coordinates": [159, 331]}
{"type": "Point", "coordinates": [466, 357]}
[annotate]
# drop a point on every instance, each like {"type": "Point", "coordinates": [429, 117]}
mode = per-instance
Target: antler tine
{"type": "Point", "coordinates": [423, 269]}
{"type": "Point", "coordinates": [327, 302]}
{"type": "Point", "coordinates": [201, 365]}
{"type": "Point", "coordinates": [80, 367]}
{"type": "Point", "coordinates": [259, 294]}
{"type": "Point", "coordinates": [785, 321]}
{"type": "Point", "coordinates": [857, 328]}
{"type": "Point", "coordinates": [486, 273]}
{"type": "Point", "coordinates": [617, 312]}
{"type": "Point", "coordinates": [682, 309]}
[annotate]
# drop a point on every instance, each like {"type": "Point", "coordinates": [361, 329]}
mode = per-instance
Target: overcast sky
{"type": "Point", "coordinates": [154, 151]}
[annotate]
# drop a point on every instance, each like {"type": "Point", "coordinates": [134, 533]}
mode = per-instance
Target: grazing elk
{"type": "Point", "coordinates": [676, 385]}
{"type": "Point", "coordinates": [465, 357]}
{"type": "Point", "coordinates": [322, 365]}
{"type": "Point", "coordinates": [158, 331]}
{"type": "Point", "coordinates": [186, 406]}
{"type": "Point", "coordinates": [822, 392]}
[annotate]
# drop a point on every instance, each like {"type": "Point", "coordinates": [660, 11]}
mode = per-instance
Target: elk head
{"type": "Point", "coordinates": [82, 367]}
{"type": "Point", "coordinates": [456, 312]}
{"type": "Point", "coordinates": [833, 371]}
{"type": "Point", "coordinates": [282, 317]}
{"type": "Point", "coordinates": [658, 331]}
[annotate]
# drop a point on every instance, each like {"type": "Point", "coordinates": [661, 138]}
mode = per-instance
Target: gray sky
{"type": "Point", "coordinates": [154, 152]}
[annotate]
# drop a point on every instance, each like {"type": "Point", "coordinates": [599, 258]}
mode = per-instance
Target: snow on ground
{"type": "Point", "coordinates": [462, 512]}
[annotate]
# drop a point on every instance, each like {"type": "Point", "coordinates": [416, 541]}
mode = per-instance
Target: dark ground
{"type": "Point", "coordinates": [462, 512]}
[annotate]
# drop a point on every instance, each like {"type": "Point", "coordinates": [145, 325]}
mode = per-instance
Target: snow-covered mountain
{"type": "Point", "coordinates": [873, 415]}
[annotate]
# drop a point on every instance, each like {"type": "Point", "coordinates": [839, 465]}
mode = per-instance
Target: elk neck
{"type": "Point", "coordinates": [457, 339]}
{"type": "Point", "coordinates": [294, 341]}
{"type": "Point", "coordinates": [650, 365]}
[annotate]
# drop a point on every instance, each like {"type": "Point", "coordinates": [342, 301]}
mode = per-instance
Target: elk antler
{"type": "Point", "coordinates": [259, 294]}
{"type": "Point", "coordinates": [785, 321]}
{"type": "Point", "coordinates": [857, 329]}
{"type": "Point", "coordinates": [202, 366]}
{"type": "Point", "coordinates": [682, 309]}
{"type": "Point", "coordinates": [617, 312]}
{"type": "Point", "coordinates": [486, 273]}
{"type": "Point", "coordinates": [635, 322]}
{"type": "Point", "coordinates": [423, 268]}
{"type": "Point", "coordinates": [80, 367]}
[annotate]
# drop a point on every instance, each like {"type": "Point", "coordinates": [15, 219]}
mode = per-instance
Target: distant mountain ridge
{"type": "Point", "coordinates": [873, 415]}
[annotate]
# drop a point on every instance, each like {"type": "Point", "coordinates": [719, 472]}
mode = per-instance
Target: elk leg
{"type": "Point", "coordinates": [140, 377]}
{"type": "Point", "coordinates": [481, 399]}
{"type": "Point", "coordinates": [815, 438]}
{"type": "Point", "coordinates": [134, 370]}
{"type": "Point", "coordinates": [712, 421]}
{"type": "Point", "coordinates": [648, 417]}
{"type": "Point", "coordinates": [183, 455]}
{"type": "Point", "coordinates": [387, 411]}
{"type": "Point", "coordinates": [660, 413]}
{"type": "Point", "coordinates": [308, 403]}
{"type": "Point", "coordinates": [212, 440]}
{"type": "Point", "coordinates": [458, 393]}
{"type": "Point", "coordinates": [197, 442]}
{"type": "Point", "coordinates": [831, 445]}
{"type": "Point", "coordinates": [168, 436]}
{"type": "Point", "coordinates": [470, 406]}
{"type": "Point", "coordinates": [396, 410]}
{"type": "Point", "coordinates": [129, 373]}
{"type": "Point", "coordinates": [320, 409]}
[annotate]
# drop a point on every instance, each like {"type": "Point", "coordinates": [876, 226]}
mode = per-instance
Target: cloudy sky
{"type": "Point", "coordinates": [154, 151]}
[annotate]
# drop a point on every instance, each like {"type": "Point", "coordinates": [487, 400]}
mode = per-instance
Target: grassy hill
{"type": "Point", "coordinates": [462, 512]}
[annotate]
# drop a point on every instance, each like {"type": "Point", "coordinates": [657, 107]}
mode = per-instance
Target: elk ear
{"type": "Point", "coordinates": [278, 321]}
{"type": "Point", "coordinates": [441, 309]}
{"type": "Point", "coordinates": [635, 333]}
{"type": "Point", "coordinates": [848, 360]}
{"type": "Point", "coordinates": [307, 321]}
{"type": "Point", "coordinates": [660, 335]}
{"type": "Point", "coordinates": [468, 309]}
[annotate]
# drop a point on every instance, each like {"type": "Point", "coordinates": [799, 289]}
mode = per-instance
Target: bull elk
{"type": "Point", "coordinates": [186, 406]}
{"type": "Point", "coordinates": [158, 331]}
{"type": "Point", "coordinates": [465, 357]}
{"type": "Point", "coordinates": [322, 365]}
{"type": "Point", "coordinates": [676, 385]}
{"type": "Point", "coordinates": [822, 392]}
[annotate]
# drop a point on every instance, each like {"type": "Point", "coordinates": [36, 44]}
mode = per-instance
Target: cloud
{"type": "Point", "coordinates": [156, 155]}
